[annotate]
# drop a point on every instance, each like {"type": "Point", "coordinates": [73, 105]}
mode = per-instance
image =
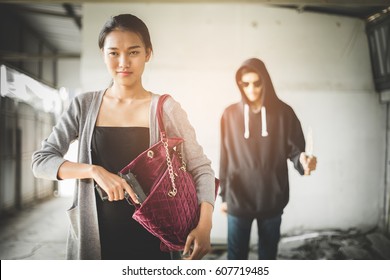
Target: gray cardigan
{"type": "Point", "coordinates": [77, 123]}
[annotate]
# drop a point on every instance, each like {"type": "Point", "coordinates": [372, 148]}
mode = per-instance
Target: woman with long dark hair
{"type": "Point", "coordinates": [113, 126]}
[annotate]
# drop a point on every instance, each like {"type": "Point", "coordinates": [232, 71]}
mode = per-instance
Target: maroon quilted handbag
{"type": "Point", "coordinates": [171, 208]}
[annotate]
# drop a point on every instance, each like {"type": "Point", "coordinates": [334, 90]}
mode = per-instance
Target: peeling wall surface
{"type": "Point", "coordinates": [319, 64]}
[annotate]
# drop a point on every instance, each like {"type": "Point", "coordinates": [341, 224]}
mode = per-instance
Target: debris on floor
{"type": "Point", "coordinates": [325, 245]}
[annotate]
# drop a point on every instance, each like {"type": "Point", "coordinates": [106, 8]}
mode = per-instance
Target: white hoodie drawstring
{"type": "Point", "coordinates": [246, 121]}
{"type": "Point", "coordinates": [264, 131]}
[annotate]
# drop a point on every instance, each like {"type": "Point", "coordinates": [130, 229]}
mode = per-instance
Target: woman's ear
{"type": "Point", "coordinates": [148, 54]}
{"type": "Point", "coordinates": [103, 56]}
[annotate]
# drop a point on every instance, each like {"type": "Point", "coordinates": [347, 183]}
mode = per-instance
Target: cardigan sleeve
{"type": "Point", "coordinates": [177, 125]}
{"type": "Point", "coordinates": [47, 160]}
{"type": "Point", "coordinates": [223, 161]}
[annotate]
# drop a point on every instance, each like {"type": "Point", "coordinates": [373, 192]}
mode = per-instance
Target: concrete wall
{"type": "Point", "coordinates": [319, 65]}
{"type": "Point", "coordinates": [69, 73]}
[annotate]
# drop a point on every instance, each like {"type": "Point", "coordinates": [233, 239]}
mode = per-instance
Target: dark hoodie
{"type": "Point", "coordinates": [254, 151]}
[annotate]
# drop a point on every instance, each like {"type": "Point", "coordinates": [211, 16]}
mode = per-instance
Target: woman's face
{"type": "Point", "coordinates": [125, 57]}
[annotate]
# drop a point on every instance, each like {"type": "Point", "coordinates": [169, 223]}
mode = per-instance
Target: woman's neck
{"type": "Point", "coordinates": [125, 93]}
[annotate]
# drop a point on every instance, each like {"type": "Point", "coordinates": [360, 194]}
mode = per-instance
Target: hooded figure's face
{"type": "Point", "coordinates": [252, 86]}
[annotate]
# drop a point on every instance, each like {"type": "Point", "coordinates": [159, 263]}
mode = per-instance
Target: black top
{"type": "Point", "coordinates": [121, 236]}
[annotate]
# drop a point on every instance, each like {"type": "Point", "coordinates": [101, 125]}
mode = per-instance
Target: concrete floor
{"type": "Point", "coordinates": [39, 233]}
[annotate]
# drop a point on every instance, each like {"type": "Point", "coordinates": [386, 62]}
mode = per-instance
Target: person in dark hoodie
{"type": "Point", "coordinates": [258, 135]}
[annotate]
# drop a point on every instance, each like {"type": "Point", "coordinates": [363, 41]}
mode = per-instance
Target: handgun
{"type": "Point", "coordinates": [134, 184]}
{"type": "Point", "coordinates": [103, 195]}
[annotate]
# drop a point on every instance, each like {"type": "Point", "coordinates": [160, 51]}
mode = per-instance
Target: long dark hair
{"type": "Point", "coordinates": [126, 22]}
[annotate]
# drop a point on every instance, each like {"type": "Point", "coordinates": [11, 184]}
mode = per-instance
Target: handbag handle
{"type": "Point", "coordinates": [159, 114]}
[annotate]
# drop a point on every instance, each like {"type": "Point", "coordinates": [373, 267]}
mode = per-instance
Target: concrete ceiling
{"type": "Point", "coordinates": [61, 23]}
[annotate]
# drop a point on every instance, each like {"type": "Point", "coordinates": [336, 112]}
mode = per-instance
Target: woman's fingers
{"type": "Point", "coordinates": [116, 189]}
{"type": "Point", "coordinates": [130, 192]}
{"type": "Point", "coordinates": [197, 246]}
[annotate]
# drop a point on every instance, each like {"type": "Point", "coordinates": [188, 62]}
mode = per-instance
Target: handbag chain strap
{"type": "Point", "coordinates": [164, 140]}
{"type": "Point", "coordinates": [173, 191]}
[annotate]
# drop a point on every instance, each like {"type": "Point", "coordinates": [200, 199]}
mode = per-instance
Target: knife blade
{"type": "Point", "coordinates": [309, 142]}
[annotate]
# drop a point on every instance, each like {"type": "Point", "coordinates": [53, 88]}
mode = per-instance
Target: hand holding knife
{"type": "Point", "coordinates": [307, 159]}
